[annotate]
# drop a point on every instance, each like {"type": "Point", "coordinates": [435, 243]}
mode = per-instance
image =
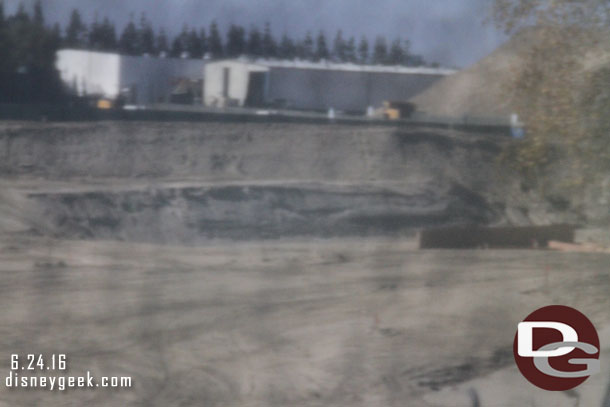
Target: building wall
{"type": "Point", "coordinates": [90, 73]}
{"type": "Point", "coordinates": [149, 79]}
{"type": "Point", "coordinates": [315, 89]}
{"type": "Point", "coordinates": [239, 75]}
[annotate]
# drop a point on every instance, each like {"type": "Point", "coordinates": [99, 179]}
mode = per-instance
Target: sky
{"type": "Point", "coordinates": [451, 32]}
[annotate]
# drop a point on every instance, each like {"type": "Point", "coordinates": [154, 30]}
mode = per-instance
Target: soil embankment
{"type": "Point", "coordinates": [186, 183]}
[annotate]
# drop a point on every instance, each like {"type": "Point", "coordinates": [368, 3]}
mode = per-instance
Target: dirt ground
{"type": "Point", "coordinates": [242, 265]}
{"type": "Point", "coordinates": [338, 322]}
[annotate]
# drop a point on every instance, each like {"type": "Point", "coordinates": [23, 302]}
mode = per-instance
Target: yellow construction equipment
{"type": "Point", "coordinates": [396, 110]}
{"type": "Point", "coordinates": [104, 104]}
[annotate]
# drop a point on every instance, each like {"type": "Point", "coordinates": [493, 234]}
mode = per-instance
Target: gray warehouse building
{"type": "Point", "coordinates": [313, 86]}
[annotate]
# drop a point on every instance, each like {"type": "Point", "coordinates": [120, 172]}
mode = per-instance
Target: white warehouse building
{"type": "Point", "coordinates": [313, 86]}
{"type": "Point", "coordinates": [140, 80]}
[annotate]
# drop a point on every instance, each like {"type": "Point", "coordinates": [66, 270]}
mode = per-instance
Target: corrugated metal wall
{"type": "Point", "coordinates": [316, 89]}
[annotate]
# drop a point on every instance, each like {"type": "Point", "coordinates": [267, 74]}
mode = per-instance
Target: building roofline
{"type": "Point", "coordinates": [349, 67]}
{"type": "Point", "coordinates": [128, 56]}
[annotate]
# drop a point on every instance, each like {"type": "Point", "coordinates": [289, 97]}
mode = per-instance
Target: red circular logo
{"type": "Point", "coordinates": [556, 348]}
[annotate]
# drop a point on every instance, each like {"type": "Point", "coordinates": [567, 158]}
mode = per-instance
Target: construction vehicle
{"type": "Point", "coordinates": [396, 110]}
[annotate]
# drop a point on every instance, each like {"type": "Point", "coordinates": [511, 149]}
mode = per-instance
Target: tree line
{"type": "Point", "coordinates": [27, 57]}
{"type": "Point", "coordinates": [141, 38]}
{"type": "Point", "coordinates": [28, 46]}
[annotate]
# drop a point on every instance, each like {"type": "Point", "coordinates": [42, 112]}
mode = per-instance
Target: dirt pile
{"type": "Point", "coordinates": [479, 90]}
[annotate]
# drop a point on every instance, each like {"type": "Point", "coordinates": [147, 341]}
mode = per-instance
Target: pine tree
{"type": "Point", "coordinates": [380, 52]}
{"type": "Point", "coordinates": [397, 55]}
{"type": "Point", "coordinates": [31, 55]}
{"type": "Point", "coordinates": [269, 44]}
{"type": "Point", "coordinates": [287, 49]}
{"type": "Point", "coordinates": [128, 43]}
{"type": "Point", "coordinates": [236, 41]}
{"type": "Point", "coordinates": [40, 56]}
{"type": "Point", "coordinates": [55, 36]}
{"type": "Point", "coordinates": [95, 34]}
{"type": "Point", "coordinates": [108, 36]}
{"type": "Point", "coordinates": [363, 51]}
{"type": "Point", "coordinates": [306, 50]}
{"type": "Point", "coordinates": [193, 44]}
{"type": "Point", "coordinates": [180, 45]}
{"type": "Point", "coordinates": [19, 31]}
{"type": "Point", "coordinates": [321, 47]}
{"type": "Point", "coordinates": [255, 43]}
{"type": "Point", "coordinates": [146, 37]}
{"type": "Point", "coordinates": [177, 48]}
{"type": "Point", "coordinates": [339, 47]}
{"type": "Point", "coordinates": [215, 42]}
{"type": "Point", "coordinates": [162, 43]}
{"type": "Point", "coordinates": [38, 19]}
{"type": "Point", "coordinates": [76, 32]}
{"type": "Point", "coordinates": [203, 40]}
{"type": "Point", "coordinates": [7, 62]}
{"type": "Point", "coordinates": [350, 50]}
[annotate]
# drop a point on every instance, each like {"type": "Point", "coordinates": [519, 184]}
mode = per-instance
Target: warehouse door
{"type": "Point", "coordinates": [256, 89]}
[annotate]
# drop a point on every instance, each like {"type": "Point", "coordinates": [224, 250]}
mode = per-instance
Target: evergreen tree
{"type": "Point", "coordinates": [162, 43]}
{"type": "Point", "coordinates": [397, 55]}
{"type": "Point", "coordinates": [146, 37]}
{"type": "Point", "coordinates": [255, 43]}
{"type": "Point", "coordinates": [306, 50]}
{"type": "Point", "coordinates": [27, 62]}
{"type": "Point", "coordinates": [7, 62]}
{"type": "Point", "coordinates": [287, 48]}
{"type": "Point", "coordinates": [177, 48]}
{"type": "Point", "coordinates": [236, 41]}
{"type": "Point", "coordinates": [203, 41]}
{"type": "Point", "coordinates": [269, 44]}
{"type": "Point", "coordinates": [128, 43]}
{"type": "Point", "coordinates": [350, 50]}
{"type": "Point", "coordinates": [55, 36]}
{"type": "Point", "coordinates": [363, 51]}
{"type": "Point", "coordinates": [214, 41]}
{"type": "Point", "coordinates": [21, 35]}
{"type": "Point", "coordinates": [321, 47]}
{"type": "Point", "coordinates": [180, 44]}
{"type": "Point", "coordinates": [38, 19]}
{"type": "Point", "coordinates": [380, 52]}
{"type": "Point", "coordinates": [102, 36]}
{"type": "Point", "coordinates": [39, 51]}
{"type": "Point", "coordinates": [339, 47]}
{"type": "Point", "coordinates": [95, 35]}
{"type": "Point", "coordinates": [108, 36]}
{"type": "Point", "coordinates": [194, 45]}
{"type": "Point", "coordinates": [76, 32]}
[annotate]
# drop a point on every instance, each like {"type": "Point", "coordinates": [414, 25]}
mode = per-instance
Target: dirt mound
{"type": "Point", "coordinates": [479, 90]}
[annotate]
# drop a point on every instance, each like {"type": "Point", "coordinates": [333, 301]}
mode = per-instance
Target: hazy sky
{"type": "Point", "coordinates": [451, 32]}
